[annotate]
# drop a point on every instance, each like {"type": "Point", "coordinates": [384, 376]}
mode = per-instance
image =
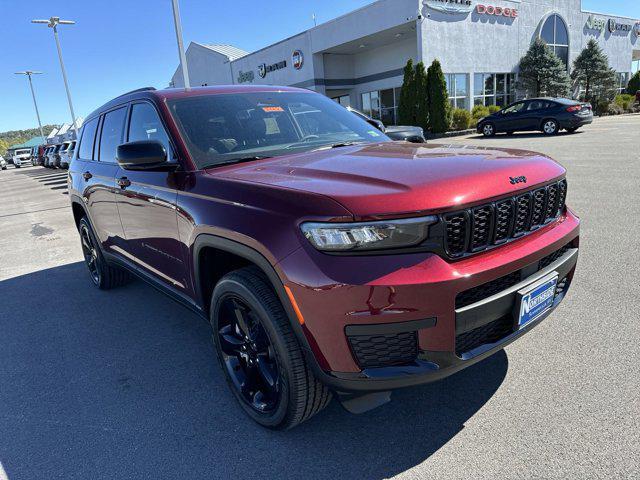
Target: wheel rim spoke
{"type": "Point", "coordinates": [239, 313]}
{"type": "Point", "coordinates": [266, 371]}
{"type": "Point", "coordinates": [229, 341]}
{"type": "Point", "coordinates": [248, 355]}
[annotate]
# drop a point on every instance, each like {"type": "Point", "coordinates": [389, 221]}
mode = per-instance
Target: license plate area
{"type": "Point", "coordinates": [535, 299]}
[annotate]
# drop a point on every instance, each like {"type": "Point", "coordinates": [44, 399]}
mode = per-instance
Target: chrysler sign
{"type": "Point", "coordinates": [450, 6]}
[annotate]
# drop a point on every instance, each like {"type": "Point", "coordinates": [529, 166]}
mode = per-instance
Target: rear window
{"type": "Point", "coordinates": [226, 127]}
{"type": "Point", "coordinates": [86, 140]}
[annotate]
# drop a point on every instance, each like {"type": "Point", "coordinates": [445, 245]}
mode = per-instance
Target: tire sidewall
{"type": "Point", "coordinates": [231, 287]}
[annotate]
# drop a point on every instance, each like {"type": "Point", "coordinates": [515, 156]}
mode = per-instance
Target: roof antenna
{"type": "Point", "coordinates": [315, 20]}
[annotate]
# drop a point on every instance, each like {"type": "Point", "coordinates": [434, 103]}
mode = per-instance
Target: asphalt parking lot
{"type": "Point", "coordinates": [123, 384]}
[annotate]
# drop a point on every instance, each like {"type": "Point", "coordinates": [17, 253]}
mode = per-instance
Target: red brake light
{"type": "Point", "coordinates": [574, 108]}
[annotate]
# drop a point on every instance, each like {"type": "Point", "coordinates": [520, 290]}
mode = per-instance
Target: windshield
{"type": "Point", "coordinates": [23, 152]}
{"type": "Point", "coordinates": [225, 128]}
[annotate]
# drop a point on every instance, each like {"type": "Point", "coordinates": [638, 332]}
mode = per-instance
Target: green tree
{"type": "Point", "coordinates": [422, 97]}
{"type": "Point", "coordinates": [438, 99]}
{"type": "Point", "coordinates": [634, 84]}
{"type": "Point", "coordinates": [591, 73]}
{"type": "Point", "coordinates": [408, 96]}
{"type": "Point", "coordinates": [542, 72]}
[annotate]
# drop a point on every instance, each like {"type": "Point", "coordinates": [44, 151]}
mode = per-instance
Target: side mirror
{"type": "Point", "coordinates": [377, 124]}
{"type": "Point", "coordinates": [143, 155]}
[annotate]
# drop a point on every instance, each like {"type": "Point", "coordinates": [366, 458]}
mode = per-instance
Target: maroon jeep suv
{"type": "Point", "coordinates": [329, 260]}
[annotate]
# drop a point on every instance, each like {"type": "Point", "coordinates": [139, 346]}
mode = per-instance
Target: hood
{"type": "Point", "coordinates": [396, 178]}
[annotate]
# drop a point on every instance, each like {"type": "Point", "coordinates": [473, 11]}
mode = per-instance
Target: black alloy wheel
{"type": "Point", "coordinates": [248, 355]}
{"type": "Point", "coordinates": [90, 252]}
{"type": "Point", "coordinates": [261, 358]}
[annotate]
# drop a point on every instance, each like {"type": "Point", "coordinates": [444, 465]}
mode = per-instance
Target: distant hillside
{"type": "Point", "coordinates": [18, 136]}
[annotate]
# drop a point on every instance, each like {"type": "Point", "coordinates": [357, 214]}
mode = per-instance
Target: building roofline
{"type": "Point", "coordinates": [633, 19]}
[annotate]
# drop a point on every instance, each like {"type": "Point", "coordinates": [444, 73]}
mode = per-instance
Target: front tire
{"type": "Point", "coordinates": [259, 353]}
{"type": "Point", "coordinates": [103, 275]}
{"type": "Point", "coordinates": [550, 127]}
{"type": "Point", "coordinates": [488, 129]}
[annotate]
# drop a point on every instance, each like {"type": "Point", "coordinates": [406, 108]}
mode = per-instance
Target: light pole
{"type": "Point", "coordinates": [28, 73]}
{"type": "Point", "coordinates": [53, 23]}
{"type": "Point", "coordinates": [183, 57]}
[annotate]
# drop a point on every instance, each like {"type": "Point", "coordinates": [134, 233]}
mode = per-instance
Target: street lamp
{"type": "Point", "coordinates": [28, 73]}
{"type": "Point", "coordinates": [183, 57]}
{"type": "Point", "coordinates": [53, 23]}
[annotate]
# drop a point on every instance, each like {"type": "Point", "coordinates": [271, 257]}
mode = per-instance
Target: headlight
{"type": "Point", "coordinates": [368, 235]}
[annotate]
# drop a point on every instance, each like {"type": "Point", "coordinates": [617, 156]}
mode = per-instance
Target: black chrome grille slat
{"type": "Point", "coordinates": [481, 226]}
{"type": "Point", "coordinates": [476, 229]}
{"type": "Point", "coordinates": [538, 208]}
{"type": "Point", "coordinates": [457, 231]}
{"type": "Point", "coordinates": [503, 221]}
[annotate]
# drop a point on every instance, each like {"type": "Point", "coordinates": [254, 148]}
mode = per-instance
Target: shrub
{"type": "Point", "coordinates": [615, 109]}
{"type": "Point", "coordinates": [634, 84]}
{"type": "Point", "coordinates": [461, 119]}
{"type": "Point", "coordinates": [438, 99]}
{"type": "Point", "coordinates": [494, 108]}
{"type": "Point", "coordinates": [408, 96]}
{"type": "Point", "coordinates": [602, 107]}
{"type": "Point", "coordinates": [479, 111]}
{"type": "Point", "coordinates": [624, 101]}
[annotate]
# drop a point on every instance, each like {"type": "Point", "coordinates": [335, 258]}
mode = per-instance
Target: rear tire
{"type": "Point", "coordinates": [103, 275]}
{"type": "Point", "coordinates": [550, 127]}
{"type": "Point", "coordinates": [250, 330]}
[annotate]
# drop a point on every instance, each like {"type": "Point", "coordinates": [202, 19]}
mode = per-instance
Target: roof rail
{"type": "Point", "coordinates": [143, 89]}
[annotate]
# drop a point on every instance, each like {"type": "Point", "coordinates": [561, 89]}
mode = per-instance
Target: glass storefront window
{"type": "Point", "coordinates": [382, 105]}
{"type": "Point", "coordinates": [458, 88]}
{"type": "Point", "coordinates": [494, 89]}
{"type": "Point", "coordinates": [343, 100]}
{"type": "Point", "coordinates": [623, 81]}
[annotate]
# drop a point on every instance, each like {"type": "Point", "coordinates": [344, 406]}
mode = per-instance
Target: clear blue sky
{"type": "Point", "coordinates": [119, 45]}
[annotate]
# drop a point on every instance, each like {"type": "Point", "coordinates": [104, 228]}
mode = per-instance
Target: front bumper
{"type": "Point", "coordinates": [416, 290]}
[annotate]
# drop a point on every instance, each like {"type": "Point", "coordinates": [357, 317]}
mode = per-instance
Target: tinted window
{"type": "Point", "coordinates": [145, 124]}
{"type": "Point", "coordinates": [86, 140]}
{"type": "Point", "coordinates": [111, 135]}
{"type": "Point", "coordinates": [536, 105]}
{"type": "Point", "coordinates": [224, 128]}
{"type": "Point", "coordinates": [516, 107]}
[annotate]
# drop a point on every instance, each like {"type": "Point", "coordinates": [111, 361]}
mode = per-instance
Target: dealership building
{"type": "Point", "coordinates": [358, 58]}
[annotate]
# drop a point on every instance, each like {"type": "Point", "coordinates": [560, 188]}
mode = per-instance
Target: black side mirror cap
{"type": "Point", "coordinates": [142, 155]}
{"type": "Point", "coordinates": [377, 124]}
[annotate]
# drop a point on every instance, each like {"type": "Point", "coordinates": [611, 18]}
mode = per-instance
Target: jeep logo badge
{"type": "Point", "coordinates": [516, 180]}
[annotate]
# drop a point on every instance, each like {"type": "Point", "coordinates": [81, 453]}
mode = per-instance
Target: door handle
{"type": "Point", "coordinates": [87, 175]}
{"type": "Point", "coordinates": [123, 182]}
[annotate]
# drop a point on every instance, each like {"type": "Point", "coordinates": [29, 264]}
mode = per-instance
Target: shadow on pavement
{"type": "Point", "coordinates": [124, 384]}
{"type": "Point", "coordinates": [562, 133]}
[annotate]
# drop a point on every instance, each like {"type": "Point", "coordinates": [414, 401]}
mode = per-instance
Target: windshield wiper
{"type": "Point", "coordinates": [338, 145]}
{"type": "Point", "coordinates": [238, 160]}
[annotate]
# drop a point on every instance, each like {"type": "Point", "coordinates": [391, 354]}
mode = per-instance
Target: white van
{"type": "Point", "coordinates": [22, 157]}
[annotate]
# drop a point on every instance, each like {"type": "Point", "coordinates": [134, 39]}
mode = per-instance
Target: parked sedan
{"type": "Point", "coordinates": [548, 115]}
{"type": "Point", "coordinates": [394, 132]}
